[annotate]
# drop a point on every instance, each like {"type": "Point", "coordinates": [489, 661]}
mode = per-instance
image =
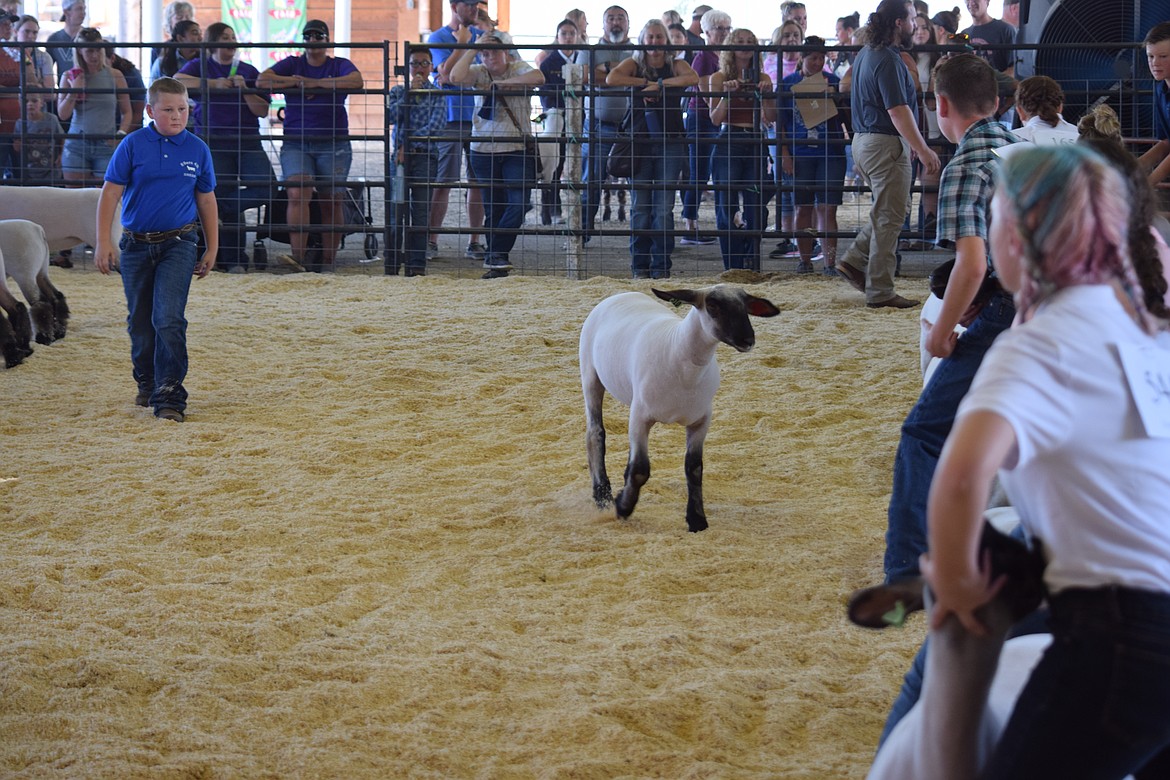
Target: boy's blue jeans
{"type": "Point", "coordinates": [157, 280]}
{"type": "Point", "coordinates": [925, 431]}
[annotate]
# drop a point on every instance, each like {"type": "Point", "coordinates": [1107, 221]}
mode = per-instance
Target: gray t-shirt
{"type": "Point", "coordinates": [997, 31]}
{"type": "Point", "coordinates": [881, 81]}
{"type": "Point", "coordinates": [609, 107]}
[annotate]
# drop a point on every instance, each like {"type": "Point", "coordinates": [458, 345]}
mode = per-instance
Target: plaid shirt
{"type": "Point", "coordinates": [416, 117]}
{"type": "Point", "coordinates": [964, 194]}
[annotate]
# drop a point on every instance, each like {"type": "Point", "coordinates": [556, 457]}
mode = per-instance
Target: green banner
{"type": "Point", "coordinates": [286, 19]}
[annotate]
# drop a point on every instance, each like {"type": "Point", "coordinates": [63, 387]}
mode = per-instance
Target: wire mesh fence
{"type": "Point", "coordinates": [308, 177]}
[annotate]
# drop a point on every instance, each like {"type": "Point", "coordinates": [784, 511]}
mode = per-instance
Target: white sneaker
{"type": "Point", "coordinates": [432, 250]}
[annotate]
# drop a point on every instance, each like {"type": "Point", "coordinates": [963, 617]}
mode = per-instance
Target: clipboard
{"type": "Point", "coordinates": [815, 110]}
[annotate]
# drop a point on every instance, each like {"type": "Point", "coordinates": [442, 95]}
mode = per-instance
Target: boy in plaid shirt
{"type": "Point", "coordinates": [418, 116]}
{"type": "Point", "coordinates": [967, 93]}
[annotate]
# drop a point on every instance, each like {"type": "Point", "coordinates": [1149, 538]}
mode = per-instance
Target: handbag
{"type": "Point", "coordinates": [620, 163]}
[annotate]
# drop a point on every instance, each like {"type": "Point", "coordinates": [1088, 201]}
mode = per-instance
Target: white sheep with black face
{"type": "Point", "coordinates": [24, 255]}
{"type": "Point", "coordinates": [69, 216]}
{"type": "Point", "coordinates": [663, 367]}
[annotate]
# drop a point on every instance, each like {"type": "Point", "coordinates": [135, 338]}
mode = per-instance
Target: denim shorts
{"type": "Point", "coordinates": [325, 162]}
{"type": "Point", "coordinates": [455, 147]}
{"type": "Point", "coordinates": [82, 155]}
{"type": "Point", "coordinates": [818, 179]}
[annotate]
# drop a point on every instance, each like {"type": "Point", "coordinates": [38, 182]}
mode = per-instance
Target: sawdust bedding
{"type": "Point", "coordinates": [370, 551]}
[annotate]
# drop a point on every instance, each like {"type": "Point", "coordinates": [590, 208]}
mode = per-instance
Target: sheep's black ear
{"type": "Point", "coordinates": [761, 307]}
{"type": "Point", "coordinates": [676, 296]}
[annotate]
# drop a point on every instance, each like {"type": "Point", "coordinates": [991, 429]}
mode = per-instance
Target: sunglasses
{"type": "Point", "coordinates": [721, 29]}
{"type": "Point", "coordinates": [315, 36]}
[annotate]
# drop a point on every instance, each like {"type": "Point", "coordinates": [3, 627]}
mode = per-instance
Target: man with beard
{"type": "Point", "coordinates": [606, 109]}
{"type": "Point", "coordinates": [884, 104]}
{"type": "Point", "coordinates": [316, 152]}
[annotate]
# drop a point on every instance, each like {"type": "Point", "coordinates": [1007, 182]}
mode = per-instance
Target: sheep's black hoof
{"type": "Point", "coordinates": [44, 338]}
{"type": "Point", "coordinates": [697, 524]}
{"type": "Point", "coordinates": [622, 507]}
{"type": "Point", "coordinates": [602, 496]}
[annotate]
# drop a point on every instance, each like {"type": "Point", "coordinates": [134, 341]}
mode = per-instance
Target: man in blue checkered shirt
{"type": "Point", "coordinates": [419, 117]}
{"type": "Point", "coordinates": [967, 93]}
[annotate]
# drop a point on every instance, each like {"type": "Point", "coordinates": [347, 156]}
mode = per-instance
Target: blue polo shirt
{"type": "Point", "coordinates": [880, 82]}
{"type": "Point", "coordinates": [161, 175]}
{"type": "Point", "coordinates": [1161, 111]}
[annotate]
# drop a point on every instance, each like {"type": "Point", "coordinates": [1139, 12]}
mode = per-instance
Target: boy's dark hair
{"type": "Point", "coordinates": [165, 86]}
{"type": "Point", "coordinates": [969, 83]}
{"type": "Point", "coordinates": [1157, 34]}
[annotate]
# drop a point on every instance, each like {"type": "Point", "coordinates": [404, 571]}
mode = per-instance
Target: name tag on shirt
{"type": "Point", "coordinates": [1147, 369]}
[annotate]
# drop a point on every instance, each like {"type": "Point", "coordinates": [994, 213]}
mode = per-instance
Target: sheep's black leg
{"type": "Point", "coordinates": [595, 444]}
{"type": "Point", "coordinates": [57, 300]}
{"type": "Point", "coordinates": [693, 464]}
{"type": "Point", "coordinates": [637, 468]}
{"type": "Point", "coordinates": [43, 321]}
{"type": "Point", "coordinates": [13, 354]}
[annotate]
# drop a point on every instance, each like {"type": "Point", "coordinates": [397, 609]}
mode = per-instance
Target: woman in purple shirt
{"type": "Point", "coordinates": [227, 115]}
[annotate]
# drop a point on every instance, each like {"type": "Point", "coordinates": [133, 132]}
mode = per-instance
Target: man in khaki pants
{"type": "Point", "coordinates": [884, 103]}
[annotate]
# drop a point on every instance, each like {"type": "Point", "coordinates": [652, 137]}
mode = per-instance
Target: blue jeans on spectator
{"type": "Point", "coordinates": [501, 177]}
{"type": "Point", "coordinates": [1098, 703]}
{"type": "Point", "coordinates": [421, 169]}
{"type": "Point", "coordinates": [924, 432]}
{"type": "Point", "coordinates": [157, 279]}
{"type": "Point", "coordinates": [600, 140]}
{"type": "Point", "coordinates": [700, 141]}
{"type": "Point", "coordinates": [784, 202]}
{"type": "Point", "coordinates": [244, 180]}
{"type": "Point", "coordinates": [657, 168]}
{"type": "Point", "coordinates": [737, 168]}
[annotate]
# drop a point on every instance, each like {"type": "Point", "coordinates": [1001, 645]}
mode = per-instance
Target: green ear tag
{"type": "Point", "coordinates": [897, 615]}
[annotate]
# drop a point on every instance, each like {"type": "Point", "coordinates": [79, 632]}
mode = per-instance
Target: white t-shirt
{"type": "Point", "coordinates": [1038, 131]}
{"type": "Point", "coordinates": [501, 125]}
{"type": "Point", "coordinates": [1087, 480]}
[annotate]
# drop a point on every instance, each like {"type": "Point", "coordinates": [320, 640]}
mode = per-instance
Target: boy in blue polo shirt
{"type": "Point", "coordinates": [1156, 160]}
{"type": "Point", "coordinates": [164, 178]}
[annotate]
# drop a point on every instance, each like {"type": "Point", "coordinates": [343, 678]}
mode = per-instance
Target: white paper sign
{"type": "Point", "coordinates": [1147, 369]}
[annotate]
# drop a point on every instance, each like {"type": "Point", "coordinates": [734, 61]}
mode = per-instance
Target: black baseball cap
{"type": "Point", "coordinates": [316, 26]}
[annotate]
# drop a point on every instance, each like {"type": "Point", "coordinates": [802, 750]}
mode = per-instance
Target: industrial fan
{"type": "Point", "coordinates": [1088, 46]}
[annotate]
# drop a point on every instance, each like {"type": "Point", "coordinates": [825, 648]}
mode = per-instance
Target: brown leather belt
{"type": "Point", "coordinates": [162, 235]}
